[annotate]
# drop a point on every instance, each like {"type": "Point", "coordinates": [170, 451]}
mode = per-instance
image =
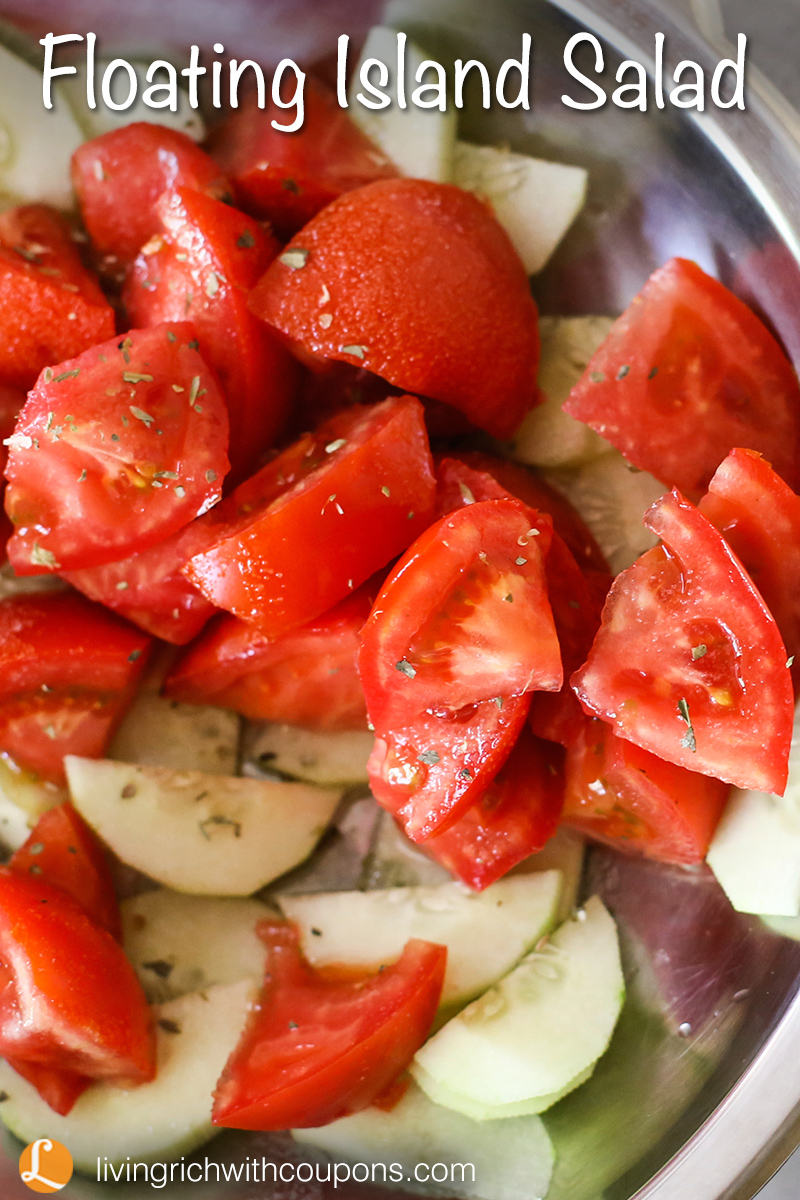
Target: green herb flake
{"type": "Point", "coordinates": [48, 375]}
{"type": "Point", "coordinates": [135, 377]}
{"type": "Point", "coordinates": [159, 967]}
{"type": "Point", "coordinates": [597, 377]}
{"type": "Point", "coordinates": [211, 476]}
{"type": "Point", "coordinates": [509, 599]}
{"type": "Point", "coordinates": [115, 437]}
{"type": "Point", "coordinates": [218, 820]}
{"type": "Point", "coordinates": [699, 651]}
{"type": "Point", "coordinates": [82, 476]}
{"type": "Point", "coordinates": [122, 585]}
{"type": "Point", "coordinates": [334, 446]}
{"type": "Point", "coordinates": [48, 422]}
{"type": "Point", "coordinates": [688, 741]}
{"type": "Point", "coordinates": [520, 561]}
{"type": "Point", "coordinates": [405, 668]}
{"type": "Point", "coordinates": [790, 660]}
{"type": "Point", "coordinates": [386, 491]}
{"type": "Point", "coordinates": [168, 1026]}
{"type": "Point", "coordinates": [44, 558]}
{"type": "Point", "coordinates": [28, 255]}
{"type": "Point", "coordinates": [66, 375]}
{"type": "Point", "coordinates": [429, 757]}
{"type": "Point", "coordinates": [653, 373]}
{"type": "Point", "coordinates": [290, 185]}
{"type": "Point", "coordinates": [295, 258]}
{"type": "Point", "coordinates": [141, 415]}
{"type": "Point", "coordinates": [166, 475]}
{"type": "Point", "coordinates": [245, 240]}
{"type": "Point", "coordinates": [171, 336]}
{"type": "Point", "coordinates": [134, 655]}
{"type": "Point", "coordinates": [194, 389]}
{"type": "Point", "coordinates": [465, 773]}
{"type": "Point", "coordinates": [124, 348]}
{"type": "Point", "coordinates": [623, 371]}
{"type": "Point", "coordinates": [498, 701]}
{"type": "Point", "coordinates": [356, 350]}
{"type": "Point", "coordinates": [193, 344]}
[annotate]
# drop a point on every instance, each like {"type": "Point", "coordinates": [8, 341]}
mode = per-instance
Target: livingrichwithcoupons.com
{"type": "Point", "coordinates": [264, 1170]}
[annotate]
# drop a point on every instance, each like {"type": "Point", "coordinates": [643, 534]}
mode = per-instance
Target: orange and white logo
{"type": "Point", "coordinates": [45, 1166]}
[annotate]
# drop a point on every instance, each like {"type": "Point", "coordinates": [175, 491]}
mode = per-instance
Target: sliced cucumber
{"type": "Point", "coordinates": [485, 933]}
{"type": "Point", "coordinates": [158, 732]}
{"type": "Point", "coordinates": [504, 1160]}
{"type": "Point", "coordinates": [328, 759]}
{"type": "Point", "coordinates": [548, 437]}
{"type": "Point", "coordinates": [15, 825]}
{"type": "Point", "coordinates": [440, 1093]}
{"type": "Point", "coordinates": [420, 142]}
{"type": "Point", "coordinates": [208, 834]}
{"type": "Point", "coordinates": [181, 944]}
{"type": "Point", "coordinates": [612, 498]}
{"type": "Point", "coordinates": [162, 1119]}
{"type": "Point", "coordinates": [534, 1035]}
{"type": "Point", "coordinates": [36, 144]}
{"type": "Point", "coordinates": [788, 927]}
{"type": "Point", "coordinates": [535, 201]}
{"type": "Point", "coordinates": [564, 852]}
{"type": "Point", "coordinates": [102, 119]}
{"type": "Point", "coordinates": [24, 791]}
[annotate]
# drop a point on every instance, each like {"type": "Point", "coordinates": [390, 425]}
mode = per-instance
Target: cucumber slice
{"type": "Point", "coordinates": [788, 927]}
{"type": "Point", "coordinates": [509, 1160]}
{"type": "Point", "coordinates": [485, 933]}
{"type": "Point", "coordinates": [36, 144]}
{"type": "Point", "coordinates": [158, 732]}
{"type": "Point", "coordinates": [15, 825]}
{"type": "Point", "coordinates": [420, 142]}
{"type": "Point", "coordinates": [327, 759]}
{"type": "Point", "coordinates": [213, 835]}
{"type": "Point", "coordinates": [24, 791]}
{"type": "Point", "coordinates": [535, 201]}
{"type": "Point", "coordinates": [612, 498]}
{"type": "Point", "coordinates": [538, 1031]}
{"type": "Point", "coordinates": [162, 1119]}
{"type": "Point", "coordinates": [179, 944]}
{"type": "Point", "coordinates": [440, 1093]}
{"type": "Point", "coordinates": [549, 437]}
{"type": "Point", "coordinates": [103, 119]}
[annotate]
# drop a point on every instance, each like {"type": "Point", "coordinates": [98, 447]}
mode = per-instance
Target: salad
{"type": "Point", "coordinates": [299, 486]}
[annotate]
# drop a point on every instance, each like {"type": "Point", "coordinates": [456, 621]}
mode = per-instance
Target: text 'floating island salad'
{"type": "Point", "coordinates": [245, 404]}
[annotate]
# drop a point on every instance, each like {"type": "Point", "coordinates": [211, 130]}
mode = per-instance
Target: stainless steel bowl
{"type": "Point", "coordinates": [699, 1095]}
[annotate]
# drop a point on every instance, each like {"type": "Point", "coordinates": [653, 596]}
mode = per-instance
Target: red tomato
{"type": "Point", "coordinates": [321, 518]}
{"type": "Point", "coordinates": [463, 617]}
{"type": "Point", "coordinates": [759, 517]}
{"type": "Point", "coordinates": [307, 677]}
{"type": "Point", "coordinates": [373, 280]}
{"type": "Point", "coordinates": [59, 1089]}
{"type": "Point", "coordinates": [114, 451]}
{"type": "Point", "coordinates": [289, 178]}
{"type": "Point", "coordinates": [628, 798]}
{"type": "Point", "coordinates": [689, 663]}
{"type": "Point", "coordinates": [430, 773]}
{"type": "Point", "coordinates": [150, 589]}
{"type": "Point", "coordinates": [69, 997]}
{"type": "Point", "coordinates": [200, 268]}
{"type": "Point", "coordinates": [120, 175]}
{"type": "Point", "coordinates": [316, 1048]}
{"type": "Point", "coordinates": [68, 670]}
{"type": "Point", "coordinates": [687, 373]}
{"type": "Point", "coordinates": [63, 851]}
{"type": "Point", "coordinates": [51, 307]}
{"type": "Point", "coordinates": [516, 815]}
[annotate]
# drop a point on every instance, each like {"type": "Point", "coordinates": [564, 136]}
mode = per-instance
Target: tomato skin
{"type": "Point", "coordinates": [687, 373]}
{"type": "Point", "coordinates": [68, 670]}
{"type": "Point", "coordinates": [462, 754]}
{"type": "Point", "coordinates": [463, 617]}
{"type": "Point", "coordinates": [622, 795]}
{"type": "Point", "coordinates": [51, 307]}
{"type": "Point", "coordinates": [318, 1049]}
{"type": "Point", "coordinates": [289, 178]}
{"type": "Point", "coordinates": [691, 593]}
{"type": "Point", "coordinates": [59, 1089]}
{"type": "Point", "coordinates": [514, 817]}
{"type": "Point", "coordinates": [200, 268]}
{"type": "Point", "coordinates": [70, 999]}
{"type": "Point", "coordinates": [118, 204]}
{"type": "Point", "coordinates": [65, 852]}
{"type": "Point", "coordinates": [101, 465]}
{"type": "Point", "coordinates": [377, 253]}
{"type": "Point", "coordinates": [346, 511]}
{"type": "Point", "coordinates": [306, 677]}
{"type": "Point", "coordinates": [150, 589]}
{"type": "Point", "coordinates": [759, 517]}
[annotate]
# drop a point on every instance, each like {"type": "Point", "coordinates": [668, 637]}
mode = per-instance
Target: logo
{"type": "Point", "coordinates": [45, 1166]}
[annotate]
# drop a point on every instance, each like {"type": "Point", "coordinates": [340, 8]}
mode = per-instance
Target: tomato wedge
{"type": "Point", "coordinates": [371, 280]}
{"type": "Point", "coordinates": [688, 662]}
{"type": "Point", "coordinates": [200, 268]}
{"type": "Point", "coordinates": [759, 517]}
{"type": "Point", "coordinates": [514, 818]}
{"type": "Point", "coordinates": [431, 772]}
{"type": "Point", "coordinates": [69, 998]}
{"type": "Point", "coordinates": [624, 796]}
{"type": "Point", "coordinates": [307, 677]}
{"type": "Point", "coordinates": [114, 451]}
{"type": "Point", "coordinates": [68, 670]}
{"type": "Point", "coordinates": [63, 851]}
{"type": "Point", "coordinates": [687, 373]}
{"type": "Point", "coordinates": [288, 179]}
{"type": "Point", "coordinates": [316, 1048]}
{"type": "Point", "coordinates": [117, 202]}
{"type": "Point", "coordinates": [321, 518]}
{"type": "Point", "coordinates": [51, 307]}
{"type": "Point", "coordinates": [463, 617]}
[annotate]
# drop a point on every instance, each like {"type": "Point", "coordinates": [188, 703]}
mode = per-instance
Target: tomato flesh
{"type": "Point", "coordinates": [64, 851]}
{"type": "Point", "coordinates": [688, 662]}
{"type": "Point", "coordinates": [622, 795]}
{"type": "Point", "coordinates": [367, 281]}
{"type": "Point", "coordinates": [321, 518]}
{"type": "Point", "coordinates": [515, 816]}
{"type": "Point", "coordinates": [317, 1049]}
{"type": "Point", "coordinates": [59, 1089]}
{"type": "Point", "coordinates": [200, 269]}
{"type": "Point", "coordinates": [687, 373]}
{"type": "Point", "coordinates": [114, 451]}
{"type": "Point", "coordinates": [68, 671]}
